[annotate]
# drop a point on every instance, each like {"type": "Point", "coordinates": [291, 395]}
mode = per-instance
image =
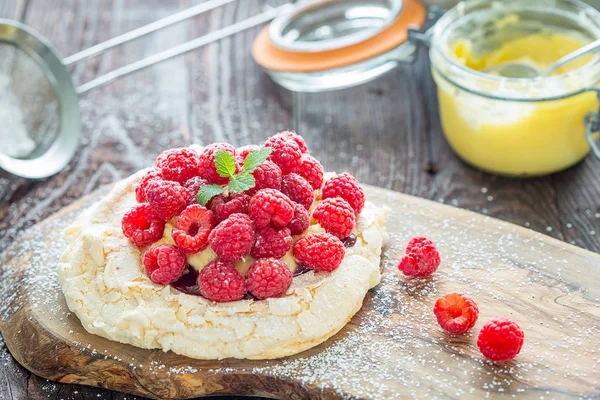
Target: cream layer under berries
{"type": "Point", "coordinates": [219, 252]}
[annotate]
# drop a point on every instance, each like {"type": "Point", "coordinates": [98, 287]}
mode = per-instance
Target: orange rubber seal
{"type": "Point", "coordinates": [273, 58]}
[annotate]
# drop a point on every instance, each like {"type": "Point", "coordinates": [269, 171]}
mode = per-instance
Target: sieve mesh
{"type": "Point", "coordinates": [29, 107]}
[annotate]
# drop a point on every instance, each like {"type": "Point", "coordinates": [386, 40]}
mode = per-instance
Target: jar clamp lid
{"type": "Point", "coordinates": [332, 44]}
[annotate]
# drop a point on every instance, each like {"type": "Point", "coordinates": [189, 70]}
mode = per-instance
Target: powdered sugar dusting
{"type": "Point", "coordinates": [393, 348]}
{"type": "Point", "coordinates": [14, 140]}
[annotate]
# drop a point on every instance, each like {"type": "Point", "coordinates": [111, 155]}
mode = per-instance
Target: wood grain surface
{"type": "Point", "coordinates": [386, 132]}
{"type": "Point", "coordinates": [392, 348]}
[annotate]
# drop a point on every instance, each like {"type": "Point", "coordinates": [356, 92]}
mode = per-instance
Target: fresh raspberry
{"type": "Point", "coordinates": [233, 238]}
{"type": "Point", "coordinates": [193, 185]}
{"type": "Point", "coordinates": [347, 187]}
{"type": "Point", "coordinates": [160, 160]}
{"type": "Point", "coordinates": [164, 263]}
{"type": "Point", "coordinates": [219, 281]}
{"type": "Point", "coordinates": [286, 153]}
{"type": "Point", "coordinates": [456, 312]}
{"type": "Point", "coordinates": [311, 170]}
{"type": "Point", "coordinates": [192, 229]}
{"type": "Point", "coordinates": [268, 277]}
{"type": "Point", "coordinates": [422, 258]}
{"type": "Point", "coordinates": [239, 163]}
{"type": "Point", "coordinates": [335, 216]}
{"type": "Point", "coordinates": [296, 138]}
{"type": "Point", "coordinates": [243, 151]}
{"type": "Point", "coordinates": [266, 176]}
{"type": "Point", "coordinates": [301, 220]}
{"type": "Point", "coordinates": [178, 165]}
{"type": "Point", "coordinates": [207, 169]}
{"type": "Point", "coordinates": [270, 205]}
{"type": "Point", "coordinates": [140, 189]}
{"type": "Point", "coordinates": [298, 190]}
{"type": "Point", "coordinates": [319, 251]}
{"type": "Point", "coordinates": [271, 242]}
{"type": "Point", "coordinates": [223, 206]}
{"type": "Point", "coordinates": [167, 198]}
{"type": "Point", "coordinates": [500, 339]}
{"type": "Point", "coordinates": [142, 225]}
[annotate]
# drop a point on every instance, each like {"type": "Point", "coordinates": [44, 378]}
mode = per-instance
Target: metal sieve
{"type": "Point", "coordinates": [39, 104]}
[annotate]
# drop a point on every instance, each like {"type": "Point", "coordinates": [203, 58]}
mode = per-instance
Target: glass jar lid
{"type": "Point", "coordinates": [323, 35]}
{"type": "Point", "coordinates": [331, 24]}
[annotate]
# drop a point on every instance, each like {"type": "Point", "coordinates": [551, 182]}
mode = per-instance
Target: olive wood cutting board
{"type": "Point", "coordinates": [392, 348]}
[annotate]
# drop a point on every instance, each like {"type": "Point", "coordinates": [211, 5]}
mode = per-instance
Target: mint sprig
{"type": "Point", "coordinates": [255, 158]}
{"type": "Point", "coordinates": [208, 192]}
{"type": "Point", "coordinates": [241, 183]}
{"type": "Point", "coordinates": [224, 163]}
{"type": "Point", "coordinates": [226, 167]}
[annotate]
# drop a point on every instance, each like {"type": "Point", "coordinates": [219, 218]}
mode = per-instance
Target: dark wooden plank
{"type": "Point", "coordinates": [13, 378]}
{"type": "Point", "coordinates": [13, 9]}
{"type": "Point", "coordinates": [218, 93]}
{"type": "Point", "coordinates": [578, 194]}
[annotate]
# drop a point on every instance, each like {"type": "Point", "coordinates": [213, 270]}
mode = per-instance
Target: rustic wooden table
{"type": "Point", "coordinates": [386, 132]}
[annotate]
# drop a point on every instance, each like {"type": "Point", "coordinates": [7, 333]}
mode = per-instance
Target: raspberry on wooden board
{"type": "Point", "coordinates": [421, 260]}
{"type": "Point", "coordinates": [456, 312]}
{"type": "Point", "coordinates": [500, 339]}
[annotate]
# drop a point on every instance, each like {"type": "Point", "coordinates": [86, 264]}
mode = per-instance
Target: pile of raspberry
{"type": "Point", "coordinates": [264, 222]}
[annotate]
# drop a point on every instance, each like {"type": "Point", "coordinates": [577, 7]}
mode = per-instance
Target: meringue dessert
{"type": "Point", "coordinates": [219, 252]}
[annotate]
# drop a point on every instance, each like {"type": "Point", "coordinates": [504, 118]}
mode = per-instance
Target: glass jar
{"type": "Point", "coordinates": [515, 126]}
{"type": "Point", "coordinates": [335, 44]}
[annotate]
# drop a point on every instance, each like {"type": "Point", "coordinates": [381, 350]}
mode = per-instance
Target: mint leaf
{"type": "Point", "coordinates": [224, 163]}
{"type": "Point", "coordinates": [241, 182]}
{"type": "Point", "coordinates": [255, 158]}
{"type": "Point", "coordinates": [208, 192]}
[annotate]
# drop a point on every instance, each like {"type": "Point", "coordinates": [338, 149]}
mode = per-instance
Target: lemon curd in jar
{"type": "Point", "coordinates": [514, 126]}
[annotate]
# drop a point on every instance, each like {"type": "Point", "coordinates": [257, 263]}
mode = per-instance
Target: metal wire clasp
{"type": "Point", "coordinates": [592, 127]}
{"type": "Point", "coordinates": [423, 35]}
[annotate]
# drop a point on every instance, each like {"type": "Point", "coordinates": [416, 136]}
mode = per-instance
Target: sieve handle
{"type": "Point", "coordinates": [175, 51]}
{"type": "Point", "coordinates": [146, 29]}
